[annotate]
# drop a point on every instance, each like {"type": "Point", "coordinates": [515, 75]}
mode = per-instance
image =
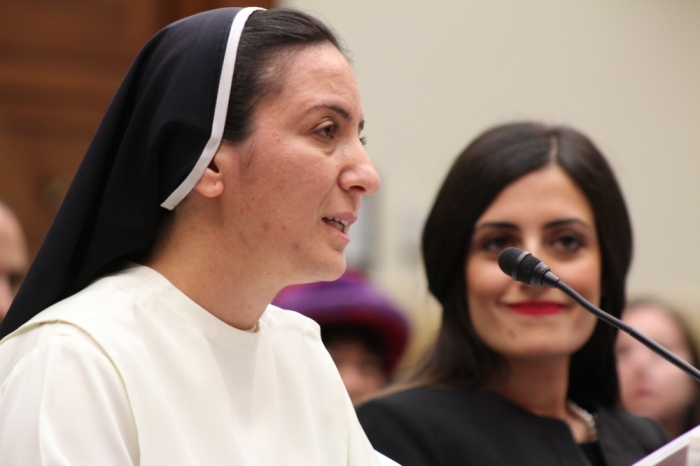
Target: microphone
{"type": "Point", "coordinates": [526, 268]}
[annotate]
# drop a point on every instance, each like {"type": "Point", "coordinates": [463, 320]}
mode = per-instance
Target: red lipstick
{"type": "Point", "coordinates": [536, 308]}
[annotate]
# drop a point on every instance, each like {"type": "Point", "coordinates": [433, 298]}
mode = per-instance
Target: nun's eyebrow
{"type": "Point", "coordinates": [335, 108]}
{"type": "Point", "coordinates": [340, 111]}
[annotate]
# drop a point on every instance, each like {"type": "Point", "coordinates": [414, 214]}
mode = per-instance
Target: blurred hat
{"type": "Point", "coordinates": [354, 301]}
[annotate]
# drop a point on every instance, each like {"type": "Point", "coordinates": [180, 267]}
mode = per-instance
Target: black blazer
{"type": "Point", "coordinates": [441, 427]}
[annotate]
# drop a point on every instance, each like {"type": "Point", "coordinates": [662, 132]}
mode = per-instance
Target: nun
{"type": "Point", "coordinates": [143, 333]}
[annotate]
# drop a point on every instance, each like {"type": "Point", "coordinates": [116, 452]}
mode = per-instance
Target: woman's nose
{"type": "Point", "coordinates": [530, 243]}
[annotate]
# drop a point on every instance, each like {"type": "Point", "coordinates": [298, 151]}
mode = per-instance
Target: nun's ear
{"type": "Point", "coordinates": [211, 184]}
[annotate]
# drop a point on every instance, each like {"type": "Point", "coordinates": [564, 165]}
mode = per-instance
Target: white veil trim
{"type": "Point", "coordinates": [222, 97]}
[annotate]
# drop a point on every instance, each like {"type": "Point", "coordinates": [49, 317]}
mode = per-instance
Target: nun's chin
{"type": "Point", "coordinates": [330, 270]}
{"type": "Point", "coordinates": [338, 270]}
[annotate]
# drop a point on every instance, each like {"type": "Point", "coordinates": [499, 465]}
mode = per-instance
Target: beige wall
{"type": "Point", "coordinates": [434, 74]}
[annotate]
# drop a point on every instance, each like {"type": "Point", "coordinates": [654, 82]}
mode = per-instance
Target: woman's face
{"type": "Point", "coordinates": [361, 369]}
{"type": "Point", "coordinates": [301, 175]}
{"type": "Point", "coordinates": [649, 385]}
{"type": "Point", "coordinates": [546, 214]}
{"type": "Point", "coordinates": [13, 258]}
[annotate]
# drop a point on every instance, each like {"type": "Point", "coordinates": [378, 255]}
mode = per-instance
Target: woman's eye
{"type": "Point", "coordinates": [363, 140]}
{"type": "Point", "coordinates": [568, 243]}
{"type": "Point", "coordinates": [496, 244]}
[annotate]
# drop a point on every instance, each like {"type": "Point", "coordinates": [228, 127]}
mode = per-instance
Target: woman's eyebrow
{"type": "Point", "coordinates": [552, 224]}
{"type": "Point", "coordinates": [567, 221]}
{"type": "Point", "coordinates": [506, 225]}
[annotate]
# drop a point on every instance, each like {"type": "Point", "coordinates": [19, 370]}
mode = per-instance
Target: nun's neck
{"type": "Point", "coordinates": [225, 285]}
{"type": "Point", "coordinates": [233, 300]}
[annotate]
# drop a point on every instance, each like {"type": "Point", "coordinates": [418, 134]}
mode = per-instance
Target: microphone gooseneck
{"type": "Point", "coordinates": [526, 268]}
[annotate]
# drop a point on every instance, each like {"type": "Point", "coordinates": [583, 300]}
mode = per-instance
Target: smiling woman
{"type": "Point", "coordinates": [519, 374]}
{"type": "Point", "coordinates": [546, 214]}
{"type": "Point", "coordinates": [229, 165]}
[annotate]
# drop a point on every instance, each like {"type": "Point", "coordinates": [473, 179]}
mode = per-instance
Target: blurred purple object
{"type": "Point", "coordinates": [351, 300]}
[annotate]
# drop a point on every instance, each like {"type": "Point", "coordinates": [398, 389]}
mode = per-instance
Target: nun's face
{"type": "Point", "coordinates": [304, 170]}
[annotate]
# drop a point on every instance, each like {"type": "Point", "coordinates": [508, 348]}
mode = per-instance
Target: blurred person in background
{"type": "Point", "coordinates": [14, 257]}
{"type": "Point", "coordinates": [520, 374]}
{"type": "Point", "coordinates": [365, 333]}
{"type": "Point", "coordinates": [649, 385]}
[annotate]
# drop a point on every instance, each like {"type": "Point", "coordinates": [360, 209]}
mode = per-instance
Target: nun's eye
{"type": "Point", "coordinates": [327, 132]}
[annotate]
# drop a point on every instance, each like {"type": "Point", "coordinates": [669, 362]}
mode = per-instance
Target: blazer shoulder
{"type": "Point", "coordinates": [410, 400]}
{"type": "Point", "coordinates": [647, 432]}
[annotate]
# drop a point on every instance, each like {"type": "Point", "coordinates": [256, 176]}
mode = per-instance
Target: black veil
{"type": "Point", "coordinates": [158, 135]}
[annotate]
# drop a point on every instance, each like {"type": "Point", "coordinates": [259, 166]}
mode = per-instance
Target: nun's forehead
{"type": "Point", "coordinates": [278, 68]}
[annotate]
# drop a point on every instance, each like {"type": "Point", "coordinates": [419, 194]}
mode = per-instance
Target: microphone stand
{"type": "Point", "coordinates": [617, 323]}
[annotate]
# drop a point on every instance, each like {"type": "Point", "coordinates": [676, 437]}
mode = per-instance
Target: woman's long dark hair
{"type": "Point", "coordinates": [493, 161]}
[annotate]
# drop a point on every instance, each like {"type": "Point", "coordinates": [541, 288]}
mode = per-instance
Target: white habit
{"type": "Point", "coordinates": [130, 371]}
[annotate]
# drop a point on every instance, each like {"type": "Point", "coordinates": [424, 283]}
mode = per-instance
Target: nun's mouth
{"type": "Point", "coordinates": [337, 223]}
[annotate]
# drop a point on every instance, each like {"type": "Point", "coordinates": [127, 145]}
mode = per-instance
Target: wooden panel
{"type": "Point", "coordinates": [89, 26]}
{"type": "Point", "coordinates": [60, 63]}
{"type": "Point", "coordinates": [173, 10]}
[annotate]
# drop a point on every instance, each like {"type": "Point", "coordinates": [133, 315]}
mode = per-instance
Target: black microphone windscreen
{"type": "Point", "coordinates": [518, 264]}
{"type": "Point", "coordinates": [509, 259]}
{"type": "Point", "coordinates": [526, 269]}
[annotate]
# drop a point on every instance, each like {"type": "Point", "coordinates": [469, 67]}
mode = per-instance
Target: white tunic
{"type": "Point", "coordinates": [131, 371]}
